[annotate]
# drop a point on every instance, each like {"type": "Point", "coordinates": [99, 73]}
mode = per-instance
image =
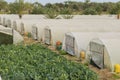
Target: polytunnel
{"type": "Point", "coordinates": [55, 32]}
{"type": "Point", "coordinates": [16, 25]}
{"type": "Point", "coordinates": [76, 42]}
{"type": "Point", "coordinates": [95, 17]}
{"type": "Point", "coordinates": [20, 22]}
{"type": "Point", "coordinates": [26, 25]}
{"type": "Point", "coordinates": [38, 29]}
{"type": "Point", "coordinates": [104, 52]}
{"type": "Point", "coordinates": [10, 19]}
{"type": "Point", "coordinates": [9, 36]}
{"type": "Point", "coordinates": [5, 18]}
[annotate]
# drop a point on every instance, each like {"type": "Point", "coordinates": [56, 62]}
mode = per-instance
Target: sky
{"type": "Point", "coordinates": [54, 1]}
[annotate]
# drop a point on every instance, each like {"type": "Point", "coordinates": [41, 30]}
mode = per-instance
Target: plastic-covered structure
{"type": "Point", "coordinates": [55, 32]}
{"type": "Point", "coordinates": [104, 52]}
{"type": "Point", "coordinates": [75, 42]}
{"type": "Point", "coordinates": [9, 35]}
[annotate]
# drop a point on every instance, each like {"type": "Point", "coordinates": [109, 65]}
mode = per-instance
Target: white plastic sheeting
{"type": "Point", "coordinates": [8, 19]}
{"type": "Point", "coordinates": [25, 17]}
{"type": "Point", "coordinates": [95, 17]}
{"type": "Point", "coordinates": [16, 25]}
{"type": "Point", "coordinates": [55, 32]}
{"type": "Point", "coordinates": [26, 25]}
{"type": "Point", "coordinates": [5, 30]}
{"type": "Point", "coordinates": [75, 42]}
{"type": "Point", "coordinates": [38, 29]}
{"type": "Point", "coordinates": [17, 38]}
{"type": "Point", "coordinates": [19, 24]}
{"type": "Point", "coordinates": [110, 55]}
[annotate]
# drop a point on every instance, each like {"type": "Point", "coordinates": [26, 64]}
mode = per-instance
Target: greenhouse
{"type": "Point", "coordinates": [104, 52]}
{"type": "Point", "coordinates": [51, 32]}
{"type": "Point", "coordinates": [38, 29]}
{"type": "Point", "coordinates": [8, 19]}
{"type": "Point", "coordinates": [76, 42]}
{"type": "Point", "coordinates": [26, 25]}
{"type": "Point", "coordinates": [110, 17]}
{"type": "Point", "coordinates": [9, 35]}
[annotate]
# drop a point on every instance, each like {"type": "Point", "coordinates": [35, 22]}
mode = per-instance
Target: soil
{"type": "Point", "coordinates": [29, 40]}
{"type": "Point", "coordinates": [103, 74]}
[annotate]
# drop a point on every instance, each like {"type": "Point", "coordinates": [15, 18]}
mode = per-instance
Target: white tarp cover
{"type": "Point", "coordinates": [95, 16]}
{"type": "Point", "coordinates": [81, 40]}
{"type": "Point", "coordinates": [56, 32]}
{"type": "Point", "coordinates": [8, 19]}
{"type": "Point", "coordinates": [64, 26]}
{"type": "Point", "coordinates": [75, 42]}
{"type": "Point", "coordinates": [38, 29]}
{"type": "Point", "coordinates": [20, 22]}
{"type": "Point", "coordinates": [16, 25]}
{"type": "Point", "coordinates": [17, 21]}
{"type": "Point", "coordinates": [110, 54]}
{"type": "Point", "coordinates": [5, 30]}
{"type": "Point", "coordinates": [17, 38]}
{"type": "Point", "coordinates": [26, 25]}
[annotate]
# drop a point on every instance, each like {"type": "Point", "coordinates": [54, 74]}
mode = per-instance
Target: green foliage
{"type": "Point", "coordinates": [29, 35]}
{"type": "Point", "coordinates": [58, 47]}
{"type": "Point", "coordinates": [66, 11]}
{"type": "Point", "coordinates": [68, 7]}
{"type": "Point", "coordinates": [20, 7]}
{"type": "Point", "coordinates": [37, 8]}
{"type": "Point", "coordinates": [87, 1]}
{"type": "Point", "coordinates": [67, 16]}
{"type": "Point", "coordinates": [116, 76]}
{"type": "Point", "coordinates": [88, 11]}
{"type": "Point", "coordinates": [62, 52]}
{"type": "Point", "coordinates": [17, 7]}
{"type": "Point", "coordinates": [13, 7]}
{"type": "Point", "coordinates": [51, 13]}
{"type": "Point", "coordinates": [35, 62]}
{"type": "Point", "coordinates": [6, 39]}
{"type": "Point", "coordinates": [3, 5]}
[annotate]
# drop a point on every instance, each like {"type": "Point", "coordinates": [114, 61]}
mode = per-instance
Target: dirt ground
{"type": "Point", "coordinates": [104, 74]}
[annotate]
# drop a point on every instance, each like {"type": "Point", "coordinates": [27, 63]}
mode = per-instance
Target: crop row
{"type": "Point", "coordinates": [35, 62]}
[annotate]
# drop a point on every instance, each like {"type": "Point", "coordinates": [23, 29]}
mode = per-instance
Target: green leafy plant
{"type": "Point", "coordinates": [116, 76]}
{"type": "Point", "coordinates": [29, 35]}
{"type": "Point", "coordinates": [35, 62]}
{"type": "Point", "coordinates": [51, 13]}
{"type": "Point", "coordinates": [67, 16]}
{"type": "Point", "coordinates": [62, 52]}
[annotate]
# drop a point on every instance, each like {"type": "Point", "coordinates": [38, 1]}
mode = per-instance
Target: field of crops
{"type": "Point", "coordinates": [35, 62]}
